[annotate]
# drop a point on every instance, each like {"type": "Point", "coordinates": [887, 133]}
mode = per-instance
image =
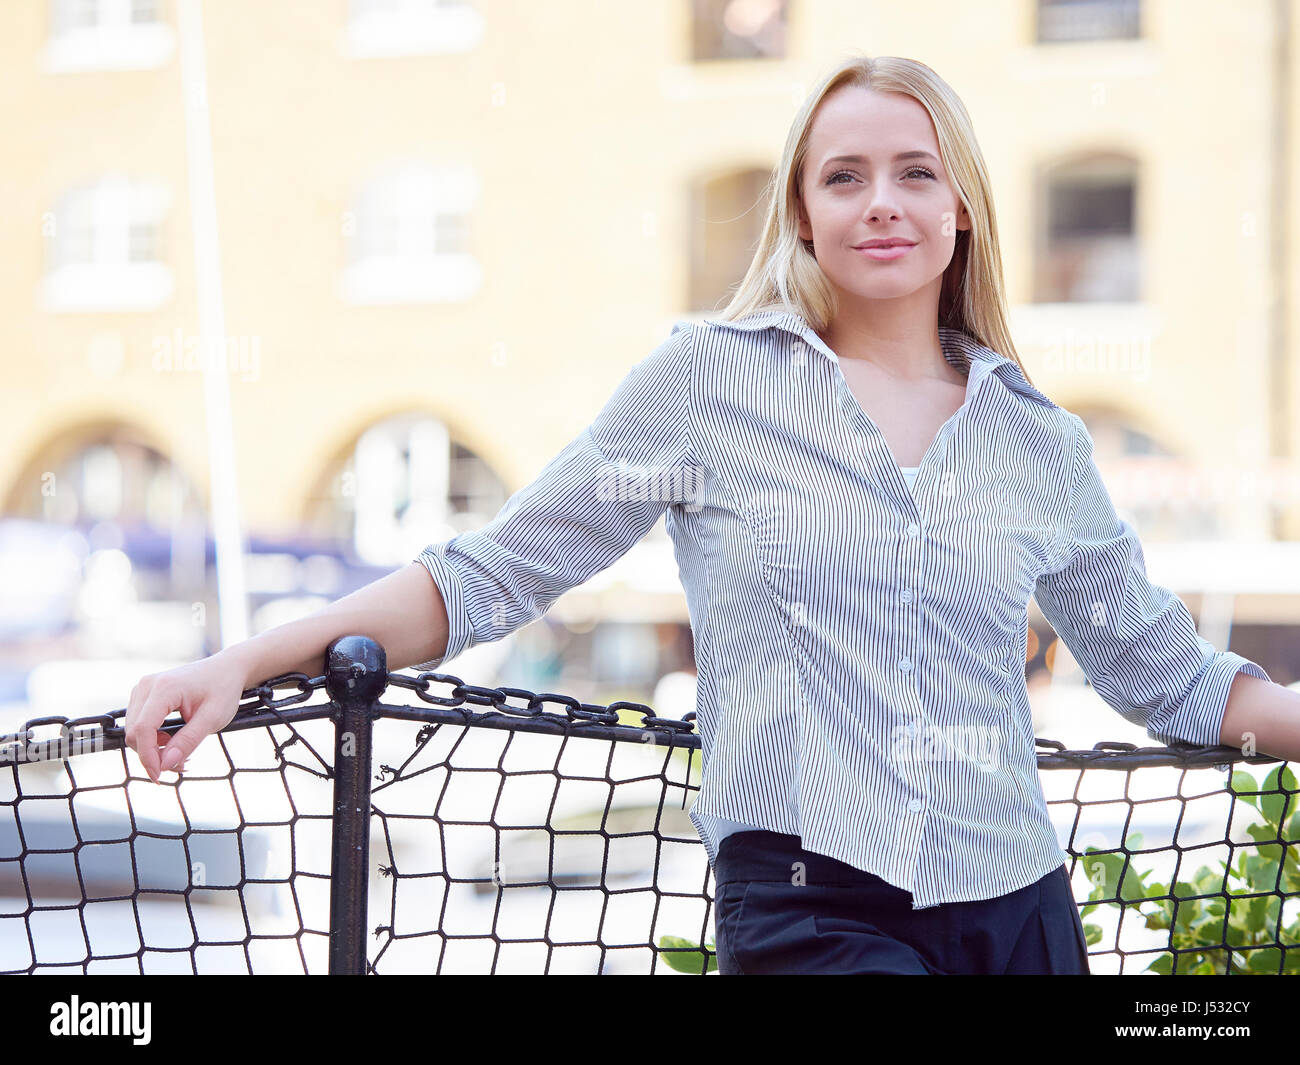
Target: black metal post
{"type": "Point", "coordinates": [355, 676]}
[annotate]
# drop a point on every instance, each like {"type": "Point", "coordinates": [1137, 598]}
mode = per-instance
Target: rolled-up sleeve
{"type": "Point", "coordinates": [1136, 641]}
{"type": "Point", "coordinates": [589, 505]}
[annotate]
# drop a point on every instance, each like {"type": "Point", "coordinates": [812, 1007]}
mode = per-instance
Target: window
{"type": "Point", "coordinates": [1088, 248]}
{"type": "Point", "coordinates": [1088, 20]}
{"type": "Point", "coordinates": [105, 475]}
{"type": "Point", "coordinates": [726, 222]}
{"type": "Point", "coordinates": [379, 28]}
{"type": "Point", "coordinates": [107, 35]}
{"type": "Point", "coordinates": [403, 486]}
{"type": "Point", "coordinates": [738, 29]}
{"type": "Point", "coordinates": [104, 247]}
{"type": "Point", "coordinates": [409, 242]}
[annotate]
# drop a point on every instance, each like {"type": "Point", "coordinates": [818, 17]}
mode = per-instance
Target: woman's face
{"type": "Point", "coordinates": [875, 195]}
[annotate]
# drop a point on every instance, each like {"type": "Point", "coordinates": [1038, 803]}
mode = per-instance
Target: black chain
{"type": "Point", "coordinates": [575, 712]}
{"type": "Point", "coordinates": [1114, 754]}
{"type": "Point", "coordinates": [262, 697]}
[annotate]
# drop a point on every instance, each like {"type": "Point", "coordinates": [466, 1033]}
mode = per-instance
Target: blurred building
{"type": "Point", "coordinates": [448, 228]}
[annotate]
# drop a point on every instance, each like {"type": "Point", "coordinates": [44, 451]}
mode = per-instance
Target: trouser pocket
{"type": "Point", "coordinates": [726, 913]}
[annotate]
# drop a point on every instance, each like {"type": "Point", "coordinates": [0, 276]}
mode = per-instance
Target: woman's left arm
{"type": "Point", "coordinates": [1262, 717]}
{"type": "Point", "coordinates": [1137, 642]}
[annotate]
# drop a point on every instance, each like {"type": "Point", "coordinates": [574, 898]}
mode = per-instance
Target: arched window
{"type": "Point", "coordinates": [104, 474]}
{"type": "Point", "coordinates": [403, 485]}
{"type": "Point", "coordinates": [136, 530]}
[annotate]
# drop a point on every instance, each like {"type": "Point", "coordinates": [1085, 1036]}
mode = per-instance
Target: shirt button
{"type": "Point", "coordinates": [906, 597]}
{"type": "Point", "coordinates": [912, 529]}
{"type": "Point", "coordinates": [915, 805]}
{"type": "Point", "coordinates": [904, 664]}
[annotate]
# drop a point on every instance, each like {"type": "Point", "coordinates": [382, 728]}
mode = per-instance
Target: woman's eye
{"type": "Point", "coordinates": [912, 171]}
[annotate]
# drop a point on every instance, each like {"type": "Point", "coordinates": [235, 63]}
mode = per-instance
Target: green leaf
{"type": "Point", "coordinates": [1262, 833]}
{"type": "Point", "coordinates": [685, 956]}
{"type": "Point", "coordinates": [1272, 805]}
{"type": "Point", "coordinates": [1163, 965]}
{"type": "Point", "coordinates": [1104, 872]}
{"type": "Point", "coordinates": [1287, 778]}
{"type": "Point", "coordinates": [1189, 914]}
{"type": "Point", "coordinates": [1208, 882]}
{"type": "Point", "coordinates": [1243, 782]}
{"type": "Point", "coordinates": [1267, 960]}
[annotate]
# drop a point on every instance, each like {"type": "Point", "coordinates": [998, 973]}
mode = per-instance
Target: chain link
{"type": "Point", "coordinates": [463, 695]}
{"type": "Point", "coordinates": [575, 712]}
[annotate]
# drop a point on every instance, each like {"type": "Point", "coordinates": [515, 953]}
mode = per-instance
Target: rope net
{"type": "Point", "coordinates": [507, 838]}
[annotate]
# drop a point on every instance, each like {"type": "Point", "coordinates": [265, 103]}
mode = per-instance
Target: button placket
{"type": "Point", "coordinates": [916, 772]}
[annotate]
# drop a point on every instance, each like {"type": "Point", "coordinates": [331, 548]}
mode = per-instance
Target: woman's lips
{"type": "Point", "coordinates": [885, 253]}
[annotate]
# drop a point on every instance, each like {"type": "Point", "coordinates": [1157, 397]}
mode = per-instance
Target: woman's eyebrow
{"type": "Point", "coordinates": [863, 159]}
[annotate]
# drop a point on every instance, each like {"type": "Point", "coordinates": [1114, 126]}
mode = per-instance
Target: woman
{"type": "Point", "coordinates": [863, 495]}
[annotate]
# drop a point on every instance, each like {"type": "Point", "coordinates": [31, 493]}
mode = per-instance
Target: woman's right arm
{"type": "Point", "coordinates": [402, 612]}
{"type": "Point", "coordinates": [585, 509]}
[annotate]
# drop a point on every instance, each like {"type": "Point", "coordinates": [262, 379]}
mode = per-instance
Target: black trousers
{"type": "Point", "coordinates": [844, 920]}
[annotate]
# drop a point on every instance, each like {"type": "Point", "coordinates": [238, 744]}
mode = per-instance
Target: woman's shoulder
{"type": "Point", "coordinates": [754, 330]}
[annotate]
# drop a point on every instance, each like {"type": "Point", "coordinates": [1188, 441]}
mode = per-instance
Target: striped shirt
{"type": "Point", "coordinates": [859, 644]}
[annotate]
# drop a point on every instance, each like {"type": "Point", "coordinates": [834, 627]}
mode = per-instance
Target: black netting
{"type": "Point", "coordinates": [505, 837]}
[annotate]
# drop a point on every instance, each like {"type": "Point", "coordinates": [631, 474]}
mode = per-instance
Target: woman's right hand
{"type": "Point", "coordinates": [206, 693]}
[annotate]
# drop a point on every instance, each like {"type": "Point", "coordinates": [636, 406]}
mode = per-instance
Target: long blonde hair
{"type": "Point", "coordinates": [785, 276]}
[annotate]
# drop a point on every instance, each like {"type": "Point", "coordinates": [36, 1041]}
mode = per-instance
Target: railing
{"type": "Point", "coordinates": [467, 833]}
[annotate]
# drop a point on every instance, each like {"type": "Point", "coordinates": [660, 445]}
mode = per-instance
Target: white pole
{"type": "Point", "coordinates": [232, 604]}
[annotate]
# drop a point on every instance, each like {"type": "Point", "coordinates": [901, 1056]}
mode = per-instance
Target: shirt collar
{"type": "Point", "coordinates": [960, 349]}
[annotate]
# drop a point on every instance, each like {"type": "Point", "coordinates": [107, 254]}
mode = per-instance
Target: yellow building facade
{"type": "Point", "coordinates": [484, 213]}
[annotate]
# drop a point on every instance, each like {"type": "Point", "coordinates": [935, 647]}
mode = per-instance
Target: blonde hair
{"type": "Point", "coordinates": [785, 276]}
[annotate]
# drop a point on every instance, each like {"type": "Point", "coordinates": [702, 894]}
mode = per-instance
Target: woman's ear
{"type": "Point", "coordinates": [805, 229]}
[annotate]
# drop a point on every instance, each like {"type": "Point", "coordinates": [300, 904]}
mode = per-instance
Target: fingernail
{"type": "Point", "coordinates": [170, 758]}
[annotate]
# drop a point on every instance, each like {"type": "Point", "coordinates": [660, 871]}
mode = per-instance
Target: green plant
{"type": "Point", "coordinates": [685, 956]}
{"type": "Point", "coordinates": [1196, 912]}
{"type": "Point", "coordinates": [1243, 907]}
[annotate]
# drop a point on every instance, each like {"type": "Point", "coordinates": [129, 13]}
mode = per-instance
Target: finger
{"type": "Point", "coordinates": [161, 739]}
{"type": "Point", "coordinates": [181, 744]}
{"type": "Point", "coordinates": [164, 738]}
{"type": "Point", "coordinates": [160, 702]}
{"type": "Point", "coordinates": [131, 723]}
